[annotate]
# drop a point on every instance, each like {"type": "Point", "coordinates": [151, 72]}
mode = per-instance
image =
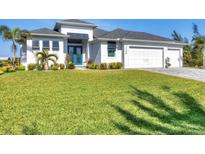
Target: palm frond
{"type": "Point", "coordinates": [53, 60]}
{"type": "Point", "coordinates": [176, 36]}
{"type": "Point", "coordinates": [195, 30]}
{"type": "Point", "coordinates": [16, 32]}
{"type": "Point", "coordinates": [39, 60]}
{"type": "Point", "coordinates": [40, 54]}
{"type": "Point", "coordinates": [22, 36]}
{"type": "Point", "coordinates": [4, 29]}
{"type": "Point", "coordinates": [53, 55]}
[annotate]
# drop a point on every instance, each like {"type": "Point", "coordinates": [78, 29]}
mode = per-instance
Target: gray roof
{"type": "Point", "coordinates": [125, 34]}
{"type": "Point", "coordinates": [76, 21]}
{"type": "Point", "coordinates": [46, 31]}
{"type": "Point", "coordinates": [99, 32]}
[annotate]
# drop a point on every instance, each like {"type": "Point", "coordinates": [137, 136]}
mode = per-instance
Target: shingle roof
{"type": "Point", "coordinates": [76, 21]}
{"type": "Point", "coordinates": [46, 31]}
{"type": "Point", "coordinates": [125, 34]}
{"type": "Point", "coordinates": [99, 32]}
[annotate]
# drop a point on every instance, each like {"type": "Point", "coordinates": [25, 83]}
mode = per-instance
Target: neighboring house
{"type": "Point", "coordinates": [84, 41]}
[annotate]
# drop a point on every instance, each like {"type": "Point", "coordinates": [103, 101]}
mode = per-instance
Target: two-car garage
{"type": "Point", "coordinates": [151, 57]}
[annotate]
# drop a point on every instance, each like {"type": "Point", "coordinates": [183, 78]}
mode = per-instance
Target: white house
{"type": "Point", "coordinates": [84, 41]}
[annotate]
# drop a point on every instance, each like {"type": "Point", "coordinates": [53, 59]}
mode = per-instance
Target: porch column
{"type": "Point", "coordinates": [87, 50]}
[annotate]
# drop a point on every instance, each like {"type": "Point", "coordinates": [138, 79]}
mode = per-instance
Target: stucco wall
{"type": "Point", "coordinates": [30, 56]}
{"type": "Point", "coordinates": [77, 29]}
{"type": "Point", "coordinates": [95, 53]}
{"type": "Point", "coordinates": [104, 53]}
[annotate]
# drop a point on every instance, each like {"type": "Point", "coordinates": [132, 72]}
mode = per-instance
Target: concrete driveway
{"type": "Point", "coordinates": [190, 73]}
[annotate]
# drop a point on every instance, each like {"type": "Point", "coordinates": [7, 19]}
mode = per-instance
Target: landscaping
{"type": "Point", "coordinates": [100, 102]}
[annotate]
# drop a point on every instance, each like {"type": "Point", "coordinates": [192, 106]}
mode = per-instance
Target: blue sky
{"type": "Point", "coordinates": [160, 27]}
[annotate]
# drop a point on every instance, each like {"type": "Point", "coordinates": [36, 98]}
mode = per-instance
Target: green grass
{"type": "Point", "coordinates": [100, 102]}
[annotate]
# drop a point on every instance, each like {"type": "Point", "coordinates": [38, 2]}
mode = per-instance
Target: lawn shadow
{"type": "Point", "coordinates": [190, 121]}
{"type": "Point", "coordinates": [31, 129]}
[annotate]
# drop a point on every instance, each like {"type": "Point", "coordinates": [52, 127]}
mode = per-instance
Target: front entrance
{"type": "Point", "coordinates": [75, 52]}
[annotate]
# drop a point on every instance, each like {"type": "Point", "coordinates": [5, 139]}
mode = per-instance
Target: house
{"type": "Point", "coordinates": [83, 41]}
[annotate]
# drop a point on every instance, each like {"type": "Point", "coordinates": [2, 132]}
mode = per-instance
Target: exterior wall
{"type": "Point", "coordinates": [30, 54]}
{"type": "Point", "coordinates": [95, 52]}
{"type": "Point", "coordinates": [104, 53]}
{"type": "Point", "coordinates": [82, 30]}
{"type": "Point", "coordinates": [77, 29]}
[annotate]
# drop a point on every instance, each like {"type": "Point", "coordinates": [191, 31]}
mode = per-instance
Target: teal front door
{"type": "Point", "coordinates": [75, 52]}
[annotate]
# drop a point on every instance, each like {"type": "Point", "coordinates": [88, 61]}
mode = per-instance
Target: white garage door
{"type": "Point", "coordinates": [138, 57]}
{"type": "Point", "coordinates": [174, 56]}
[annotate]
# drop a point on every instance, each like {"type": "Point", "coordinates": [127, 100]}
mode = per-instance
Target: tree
{"type": "Point", "coordinates": [44, 57]}
{"type": "Point", "coordinates": [16, 36]}
{"type": "Point", "coordinates": [198, 42]}
{"type": "Point", "coordinates": [195, 30]}
{"type": "Point", "coordinates": [176, 36]}
{"type": "Point", "coordinates": [187, 54]}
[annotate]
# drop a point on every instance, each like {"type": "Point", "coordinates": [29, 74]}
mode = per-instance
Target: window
{"type": "Point", "coordinates": [35, 45]}
{"type": "Point", "coordinates": [111, 49]}
{"type": "Point", "coordinates": [55, 46]}
{"type": "Point", "coordinates": [46, 45]}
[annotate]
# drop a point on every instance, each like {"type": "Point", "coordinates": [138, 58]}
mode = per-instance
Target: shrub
{"type": "Point", "coordinates": [70, 66]}
{"type": "Point", "coordinates": [1, 72]}
{"type": "Point", "coordinates": [88, 66]}
{"type": "Point", "coordinates": [5, 62]}
{"type": "Point", "coordinates": [68, 59]}
{"type": "Point", "coordinates": [62, 66]}
{"type": "Point", "coordinates": [112, 65]}
{"type": "Point", "coordinates": [103, 66]}
{"type": "Point", "coordinates": [167, 62]}
{"type": "Point", "coordinates": [20, 68]}
{"type": "Point", "coordinates": [94, 66]}
{"type": "Point", "coordinates": [7, 69]}
{"type": "Point", "coordinates": [39, 67]}
{"type": "Point", "coordinates": [3, 69]}
{"type": "Point", "coordinates": [119, 65]}
{"type": "Point", "coordinates": [54, 67]}
{"type": "Point", "coordinates": [115, 65]}
{"type": "Point", "coordinates": [32, 66]}
{"type": "Point", "coordinates": [11, 69]}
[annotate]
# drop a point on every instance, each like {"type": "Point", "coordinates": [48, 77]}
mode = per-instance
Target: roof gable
{"type": "Point", "coordinates": [99, 32]}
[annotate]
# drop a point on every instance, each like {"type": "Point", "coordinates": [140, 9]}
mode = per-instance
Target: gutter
{"type": "Point", "coordinates": [52, 35]}
{"type": "Point", "coordinates": [151, 41]}
{"type": "Point", "coordinates": [140, 40]}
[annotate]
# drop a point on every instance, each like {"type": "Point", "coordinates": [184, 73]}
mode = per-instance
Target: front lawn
{"type": "Point", "coordinates": [100, 102]}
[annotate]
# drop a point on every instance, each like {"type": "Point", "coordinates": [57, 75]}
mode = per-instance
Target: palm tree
{"type": "Point", "coordinates": [177, 37]}
{"type": "Point", "coordinates": [16, 36]}
{"type": "Point", "coordinates": [195, 30]}
{"type": "Point", "coordinates": [44, 57]}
